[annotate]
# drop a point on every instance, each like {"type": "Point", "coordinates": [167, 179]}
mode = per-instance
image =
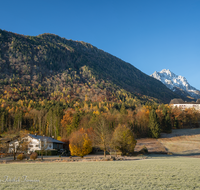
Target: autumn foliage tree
{"type": "Point", "coordinates": [141, 121]}
{"type": "Point", "coordinates": [80, 144]}
{"type": "Point", "coordinates": [123, 139]}
{"type": "Point", "coordinates": [66, 122]}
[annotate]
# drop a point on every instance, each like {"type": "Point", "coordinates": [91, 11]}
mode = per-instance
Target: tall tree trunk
{"type": "Point", "coordinates": [40, 122]}
{"type": "Point", "coordinates": [2, 123]}
{"type": "Point", "coordinates": [9, 123]}
{"type": "Point", "coordinates": [6, 125]}
{"type": "Point", "coordinates": [20, 126]}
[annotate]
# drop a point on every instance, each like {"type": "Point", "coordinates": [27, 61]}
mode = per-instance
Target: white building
{"type": "Point", "coordinates": [179, 103]}
{"type": "Point", "coordinates": [37, 142]}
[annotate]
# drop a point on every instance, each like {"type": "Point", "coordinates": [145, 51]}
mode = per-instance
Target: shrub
{"type": "Point", "coordinates": [144, 150]}
{"type": "Point", "coordinates": [47, 152]}
{"type": "Point", "coordinates": [33, 156]}
{"type": "Point", "coordinates": [21, 157]}
{"type": "Point", "coordinates": [2, 155]}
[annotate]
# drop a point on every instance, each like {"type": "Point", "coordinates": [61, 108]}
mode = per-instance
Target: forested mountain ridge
{"type": "Point", "coordinates": [51, 67]}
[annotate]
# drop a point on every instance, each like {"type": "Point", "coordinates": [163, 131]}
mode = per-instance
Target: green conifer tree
{"type": "Point", "coordinates": [154, 125]}
{"type": "Point", "coordinates": [123, 109]}
{"type": "Point", "coordinates": [166, 121]}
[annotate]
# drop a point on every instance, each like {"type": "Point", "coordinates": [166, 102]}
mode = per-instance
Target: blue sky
{"type": "Point", "coordinates": [149, 34]}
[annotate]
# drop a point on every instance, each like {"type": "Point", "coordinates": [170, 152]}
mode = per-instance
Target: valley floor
{"type": "Point", "coordinates": [181, 170]}
{"type": "Point", "coordinates": [179, 142]}
{"type": "Point", "coordinates": [156, 172]}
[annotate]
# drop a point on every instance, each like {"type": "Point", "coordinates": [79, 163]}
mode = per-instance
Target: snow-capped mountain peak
{"type": "Point", "coordinates": [173, 81]}
{"type": "Point", "coordinates": [167, 71]}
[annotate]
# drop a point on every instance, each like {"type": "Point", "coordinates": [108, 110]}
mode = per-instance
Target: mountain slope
{"type": "Point", "coordinates": [176, 83]}
{"type": "Point", "coordinates": [49, 63]}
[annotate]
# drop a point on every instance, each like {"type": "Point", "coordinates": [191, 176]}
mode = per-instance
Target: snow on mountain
{"type": "Point", "coordinates": [173, 81]}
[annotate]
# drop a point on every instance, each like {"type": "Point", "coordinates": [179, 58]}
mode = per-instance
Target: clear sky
{"type": "Point", "coordinates": [149, 34]}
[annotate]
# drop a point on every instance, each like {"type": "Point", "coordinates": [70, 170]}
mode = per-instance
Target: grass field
{"type": "Point", "coordinates": [182, 145]}
{"type": "Point", "coordinates": [157, 173]}
{"type": "Point", "coordinates": [180, 141]}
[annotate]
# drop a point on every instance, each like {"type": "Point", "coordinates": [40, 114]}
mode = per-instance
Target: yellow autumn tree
{"type": "Point", "coordinates": [142, 121]}
{"type": "Point", "coordinates": [80, 143]}
{"type": "Point", "coordinates": [123, 139]}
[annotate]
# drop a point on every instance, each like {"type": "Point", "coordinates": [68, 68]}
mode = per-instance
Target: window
{"type": "Point", "coordinates": [30, 145]}
{"type": "Point", "coordinates": [50, 146]}
{"type": "Point", "coordinates": [37, 145]}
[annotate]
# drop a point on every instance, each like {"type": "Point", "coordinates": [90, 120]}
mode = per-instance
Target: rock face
{"type": "Point", "coordinates": [176, 83]}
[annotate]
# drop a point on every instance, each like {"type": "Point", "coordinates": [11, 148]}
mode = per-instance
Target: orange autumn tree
{"type": "Point", "coordinates": [66, 123]}
{"type": "Point", "coordinates": [142, 121]}
{"type": "Point", "coordinates": [178, 118]}
{"type": "Point", "coordinates": [80, 143]}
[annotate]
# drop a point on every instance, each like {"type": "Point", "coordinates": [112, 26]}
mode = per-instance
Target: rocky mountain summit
{"type": "Point", "coordinates": [176, 83]}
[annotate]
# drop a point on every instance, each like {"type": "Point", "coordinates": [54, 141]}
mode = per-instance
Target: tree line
{"type": "Point", "coordinates": [106, 125]}
{"type": "Point", "coordinates": [57, 119]}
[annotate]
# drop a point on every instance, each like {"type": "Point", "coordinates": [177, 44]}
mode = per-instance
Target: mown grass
{"type": "Point", "coordinates": [160, 173]}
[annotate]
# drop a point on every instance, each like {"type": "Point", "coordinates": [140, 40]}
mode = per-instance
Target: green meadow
{"type": "Point", "coordinates": [151, 173]}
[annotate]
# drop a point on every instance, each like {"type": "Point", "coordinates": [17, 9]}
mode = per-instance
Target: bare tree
{"type": "Point", "coordinates": [43, 145]}
{"type": "Point", "coordinates": [20, 144]}
{"type": "Point", "coordinates": [4, 146]}
{"type": "Point", "coordinates": [103, 135]}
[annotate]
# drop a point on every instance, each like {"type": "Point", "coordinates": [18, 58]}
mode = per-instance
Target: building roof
{"type": "Point", "coordinates": [49, 139]}
{"type": "Point", "coordinates": [180, 101]}
{"type": "Point", "coordinates": [8, 140]}
{"type": "Point", "coordinates": [177, 101]}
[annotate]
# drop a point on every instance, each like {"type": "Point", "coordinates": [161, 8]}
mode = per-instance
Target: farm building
{"type": "Point", "coordinates": [35, 142]}
{"type": "Point", "coordinates": [179, 103]}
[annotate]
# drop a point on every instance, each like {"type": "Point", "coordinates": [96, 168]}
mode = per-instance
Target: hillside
{"type": "Point", "coordinates": [51, 67]}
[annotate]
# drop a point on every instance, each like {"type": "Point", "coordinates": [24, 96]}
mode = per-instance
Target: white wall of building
{"type": "Point", "coordinates": [34, 144]}
{"type": "Point", "coordinates": [184, 106]}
